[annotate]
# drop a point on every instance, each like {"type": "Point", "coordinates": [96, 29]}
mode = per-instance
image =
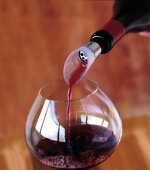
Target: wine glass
{"type": "Point", "coordinates": [94, 131]}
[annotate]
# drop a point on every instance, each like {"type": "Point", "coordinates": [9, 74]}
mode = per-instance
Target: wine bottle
{"type": "Point", "coordinates": [128, 16]}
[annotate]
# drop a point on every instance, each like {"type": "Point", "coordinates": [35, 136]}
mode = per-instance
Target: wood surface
{"type": "Point", "coordinates": [36, 36]}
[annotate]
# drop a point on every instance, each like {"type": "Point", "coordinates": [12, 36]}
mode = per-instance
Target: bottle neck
{"type": "Point", "coordinates": [115, 28]}
{"type": "Point", "coordinates": [109, 35]}
{"type": "Point", "coordinates": [129, 16]}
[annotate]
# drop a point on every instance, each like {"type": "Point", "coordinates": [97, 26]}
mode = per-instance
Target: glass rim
{"type": "Point", "coordinates": [77, 84]}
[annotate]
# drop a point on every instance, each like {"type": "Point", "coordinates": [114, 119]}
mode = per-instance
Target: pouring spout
{"type": "Point", "coordinates": [80, 61]}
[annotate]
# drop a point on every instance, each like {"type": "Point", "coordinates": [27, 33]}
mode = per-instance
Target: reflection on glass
{"type": "Point", "coordinates": [48, 125]}
{"type": "Point", "coordinates": [93, 120]}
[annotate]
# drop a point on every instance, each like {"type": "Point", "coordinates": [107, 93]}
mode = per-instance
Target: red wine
{"type": "Point", "coordinates": [89, 146]}
{"type": "Point", "coordinates": [128, 16]}
{"type": "Point", "coordinates": [75, 76]}
{"type": "Point", "coordinates": [69, 95]}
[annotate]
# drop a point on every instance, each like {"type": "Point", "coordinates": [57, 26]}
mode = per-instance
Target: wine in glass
{"type": "Point", "coordinates": [84, 138]}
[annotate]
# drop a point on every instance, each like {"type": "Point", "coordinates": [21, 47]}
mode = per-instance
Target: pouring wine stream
{"type": "Point", "coordinates": [75, 68]}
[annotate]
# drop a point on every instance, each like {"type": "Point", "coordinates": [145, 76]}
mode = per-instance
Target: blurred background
{"type": "Point", "coordinates": [35, 39]}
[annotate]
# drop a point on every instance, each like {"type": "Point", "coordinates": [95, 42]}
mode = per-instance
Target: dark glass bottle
{"type": "Point", "coordinates": [128, 16]}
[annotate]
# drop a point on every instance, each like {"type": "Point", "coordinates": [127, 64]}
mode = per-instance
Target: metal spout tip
{"type": "Point", "coordinates": [95, 48]}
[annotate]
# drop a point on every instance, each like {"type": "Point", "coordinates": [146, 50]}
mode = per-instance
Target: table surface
{"type": "Point", "coordinates": [35, 39]}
